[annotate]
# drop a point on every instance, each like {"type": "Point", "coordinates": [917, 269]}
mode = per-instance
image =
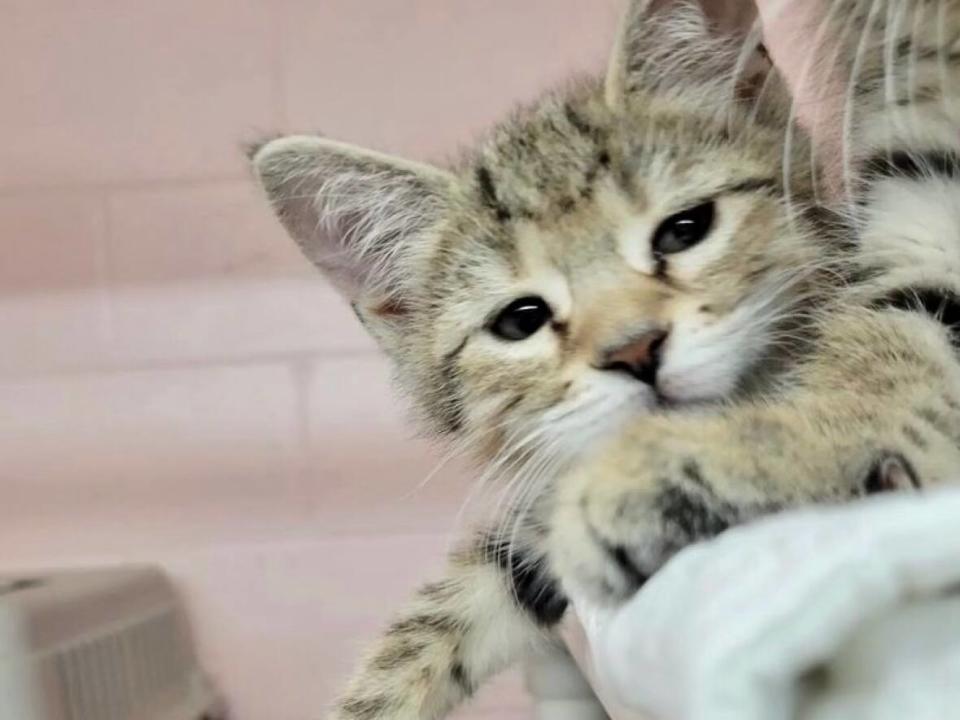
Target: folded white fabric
{"type": "Point", "coordinates": [841, 613]}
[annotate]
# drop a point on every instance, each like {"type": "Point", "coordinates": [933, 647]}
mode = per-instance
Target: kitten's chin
{"type": "Point", "coordinates": [695, 388]}
{"type": "Point", "coordinates": [666, 401]}
{"type": "Point", "coordinates": [601, 420]}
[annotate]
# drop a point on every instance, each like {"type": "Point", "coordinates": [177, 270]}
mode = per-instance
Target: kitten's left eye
{"type": "Point", "coordinates": [684, 230]}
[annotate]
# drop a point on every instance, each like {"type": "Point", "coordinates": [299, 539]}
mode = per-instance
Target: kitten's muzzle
{"type": "Point", "coordinates": [640, 357]}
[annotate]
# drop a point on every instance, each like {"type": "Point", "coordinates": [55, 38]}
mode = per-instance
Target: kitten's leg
{"type": "Point", "coordinates": [877, 409]}
{"type": "Point", "coordinates": [494, 606]}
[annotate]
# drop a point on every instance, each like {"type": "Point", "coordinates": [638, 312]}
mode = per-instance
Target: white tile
{"type": "Point", "coordinates": [206, 320]}
{"type": "Point", "coordinates": [51, 241]}
{"type": "Point", "coordinates": [198, 231]}
{"type": "Point", "coordinates": [54, 331]}
{"type": "Point", "coordinates": [121, 443]}
{"type": "Point", "coordinates": [422, 77]}
{"type": "Point", "coordinates": [108, 91]}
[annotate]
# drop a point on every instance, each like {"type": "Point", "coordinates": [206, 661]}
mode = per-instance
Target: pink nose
{"type": "Point", "coordinates": [640, 357]}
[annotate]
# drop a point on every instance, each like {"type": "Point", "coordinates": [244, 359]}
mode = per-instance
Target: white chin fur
{"type": "Point", "coordinates": [710, 373]}
{"type": "Point", "coordinates": [707, 363]}
{"type": "Point", "coordinates": [604, 402]}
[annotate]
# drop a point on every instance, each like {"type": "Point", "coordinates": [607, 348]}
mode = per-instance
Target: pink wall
{"type": "Point", "coordinates": [176, 384]}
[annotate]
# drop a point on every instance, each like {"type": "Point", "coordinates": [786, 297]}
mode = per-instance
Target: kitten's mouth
{"type": "Point", "coordinates": [663, 401]}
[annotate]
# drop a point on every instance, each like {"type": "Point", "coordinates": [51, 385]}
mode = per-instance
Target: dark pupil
{"type": "Point", "coordinates": [683, 230]}
{"type": "Point", "coordinates": [521, 318]}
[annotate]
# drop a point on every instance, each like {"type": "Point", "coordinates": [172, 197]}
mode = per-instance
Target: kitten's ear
{"type": "Point", "coordinates": [646, 28]}
{"type": "Point", "coordinates": [356, 214]}
{"type": "Point", "coordinates": [627, 51]}
{"type": "Point", "coordinates": [672, 46]}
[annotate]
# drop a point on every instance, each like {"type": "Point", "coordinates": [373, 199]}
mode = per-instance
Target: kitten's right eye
{"type": "Point", "coordinates": [521, 318]}
{"type": "Point", "coordinates": [684, 230]}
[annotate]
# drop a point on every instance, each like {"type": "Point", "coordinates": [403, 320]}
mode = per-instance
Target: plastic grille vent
{"type": "Point", "coordinates": [120, 675]}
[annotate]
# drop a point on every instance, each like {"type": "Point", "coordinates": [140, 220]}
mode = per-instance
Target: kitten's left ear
{"type": "Point", "coordinates": [358, 215]}
{"type": "Point", "coordinates": [365, 219]}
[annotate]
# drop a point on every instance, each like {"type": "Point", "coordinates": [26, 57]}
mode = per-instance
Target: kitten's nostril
{"type": "Point", "coordinates": [640, 358]}
{"type": "Point", "coordinates": [647, 372]}
{"type": "Point", "coordinates": [656, 347]}
{"type": "Point", "coordinates": [621, 367]}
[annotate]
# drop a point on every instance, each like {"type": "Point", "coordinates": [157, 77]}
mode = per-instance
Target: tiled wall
{"type": "Point", "coordinates": [175, 383]}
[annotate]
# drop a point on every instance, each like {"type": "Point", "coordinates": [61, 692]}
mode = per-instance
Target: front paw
{"type": "Point", "coordinates": [614, 526]}
{"type": "Point", "coordinates": [615, 522]}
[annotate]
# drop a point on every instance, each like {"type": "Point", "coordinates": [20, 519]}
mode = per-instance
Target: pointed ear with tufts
{"type": "Point", "coordinates": [671, 46]}
{"type": "Point", "coordinates": [356, 214]}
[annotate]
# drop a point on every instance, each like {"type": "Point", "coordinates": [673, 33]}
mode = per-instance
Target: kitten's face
{"type": "Point", "coordinates": [608, 271]}
{"type": "Point", "coordinates": [603, 253]}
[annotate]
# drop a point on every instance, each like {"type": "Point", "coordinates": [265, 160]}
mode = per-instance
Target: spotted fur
{"type": "Point", "coordinates": [828, 361]}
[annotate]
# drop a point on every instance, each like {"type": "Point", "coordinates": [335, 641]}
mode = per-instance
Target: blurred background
{"type": "Point", "coordinates": [176, 383]}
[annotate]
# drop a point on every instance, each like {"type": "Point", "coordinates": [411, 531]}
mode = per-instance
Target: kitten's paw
{"type": "Point", "coordinates": [613, 527]}
{"type": "Point", "coordinates": [615, 524]}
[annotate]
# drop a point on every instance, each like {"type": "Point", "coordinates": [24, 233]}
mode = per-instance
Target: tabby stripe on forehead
{"type": "Point", "coordinates": [913, 165]}
{"type": "Point", "coordinates": [488, 194]}
{"type": "Point", "coordinates": [940, 304]}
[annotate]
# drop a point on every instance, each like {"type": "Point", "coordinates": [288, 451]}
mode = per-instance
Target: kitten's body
{"type": "Point", "coordinates": [561, 204]}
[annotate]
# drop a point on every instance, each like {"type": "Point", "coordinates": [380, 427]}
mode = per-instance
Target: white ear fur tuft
{"type": "Point", "coordinates": [353, 212]}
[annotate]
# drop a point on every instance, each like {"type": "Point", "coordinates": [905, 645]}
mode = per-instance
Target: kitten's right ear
{"type": "Point", "coordinates": [356, 214]}
{"type": "Point", "coordinates": [671, 47]}
{"type": "Point", "coordinates": [657, 41]}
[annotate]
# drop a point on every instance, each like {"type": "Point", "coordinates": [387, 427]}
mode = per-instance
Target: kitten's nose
{"type": "Point", "coordinates": [640, 357]}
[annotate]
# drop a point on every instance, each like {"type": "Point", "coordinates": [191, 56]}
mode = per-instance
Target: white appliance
{"type": "Point", "coordinates": [98, 645]}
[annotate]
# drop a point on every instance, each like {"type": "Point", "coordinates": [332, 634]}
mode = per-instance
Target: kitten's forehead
{"type": "Point", "coordinates": [546, 163]}
{"type": "Point", "coordinates": [569, 190]}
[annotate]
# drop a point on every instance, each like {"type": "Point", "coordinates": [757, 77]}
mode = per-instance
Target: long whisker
{"type": "Point", "coordinates": [943, 52]}
{"type": "Point", "coordinates": [811, 65]}
{"type": "Point", "coordinates": [856, 71]}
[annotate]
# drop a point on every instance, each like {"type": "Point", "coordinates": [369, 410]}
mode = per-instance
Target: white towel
{"type": "Point", "coordinates": [841, 613]}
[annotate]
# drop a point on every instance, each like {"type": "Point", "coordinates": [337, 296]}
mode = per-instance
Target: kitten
{"type": "Point", "coordinates": [617, 247]}
{"type": "Point", "coordinates": [562, 303]}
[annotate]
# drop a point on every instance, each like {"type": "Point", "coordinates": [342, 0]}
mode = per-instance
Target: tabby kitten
{"type": "Point", "coordinates": [617, 247]}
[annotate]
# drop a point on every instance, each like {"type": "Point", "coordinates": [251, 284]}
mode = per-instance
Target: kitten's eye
{"type": "Point", "coordinates": [521, 318]}
{"type": "Point", "coordinates": [683, 230]}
